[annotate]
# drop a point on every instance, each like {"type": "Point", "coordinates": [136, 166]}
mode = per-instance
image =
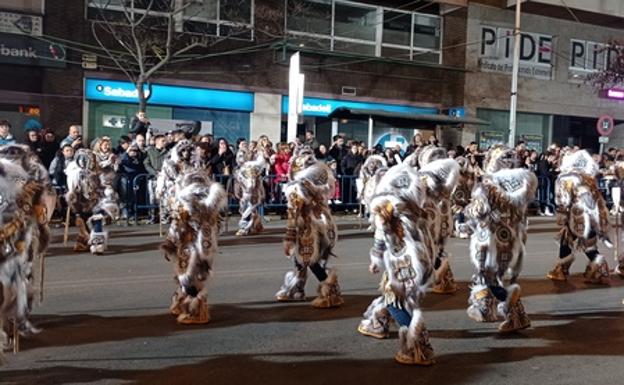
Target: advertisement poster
{"type": "Point", "coordinates": [489, 138]}
{"type": "Point", "coordinates": [533, 142]}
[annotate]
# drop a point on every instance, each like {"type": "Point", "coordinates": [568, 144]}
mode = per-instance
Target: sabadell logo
{"type": "Point", "coordinates": [326, 108]}
{"type": "Point", "coordinates": [119, 92]}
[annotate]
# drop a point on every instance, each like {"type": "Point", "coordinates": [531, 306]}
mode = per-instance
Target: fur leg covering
{"type": "Point", "coordinates": [561, 271]}
{"type": "Point", "coordinates": [176, 302]}
{"type": "Point", "coordinates": [513, 311]}
{"type": "Point", "coordinates": [293, 288]}
{"type": "Point", "coordinates": [415, 348]}
{"type": "Point", "coordinates": [481, 306]}
{"type": "Point", "coordinates": [597, 272]}
{"type": "Point", "coordinates": [328, 293]}
{"type": "Point", "coordinates": [82, 239]}
{"type": "Point", "coordinates": [98, 242]}
{"type": "Point", "coordinates": [376, 322]}
{"type": "Point", "coordinates": [444, 280]}
{"type": "Point", "coordinates": [194, 311]}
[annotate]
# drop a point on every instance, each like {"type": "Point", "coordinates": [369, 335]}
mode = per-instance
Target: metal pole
{"type": "Point", "coordinates": [370, 132]}
{"type": "Point", "coordinates": [514, 78]}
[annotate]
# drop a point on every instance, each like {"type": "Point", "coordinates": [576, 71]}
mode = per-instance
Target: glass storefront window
{"type": "Point", "coordinates": [397, 28]}
{"type": "Point", "coordinates": [356, 22]}
{"type": "Point", "coordinates": [426, 32]}
{"type": "Point", "coordinates": [353, 129]}
{"type": "Point", "coordinates": [206, 10]}
{"type": "Point", "coordinates": [534, 129]}
{"type": "Point", "coordinates": [308, 16]}
{"type": "Point", "coordinates": [230, 125]}
{"type": "Point", "coordinates": [238, 11]}
{"type": "Point", "coordinates": [345, 46]}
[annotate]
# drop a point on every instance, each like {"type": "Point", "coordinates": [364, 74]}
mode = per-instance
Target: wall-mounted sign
{"type": "Point", "coordinates": [125, 92]}
{"type": "Point", "coordinates": [20, 24]}
{"type": "Point", "coordinates": [587, 57]}
{"type": "Point", "coordinates": [25, 50]}
{"type": "Point", "coordinates": [324, 107]}
{"type": "Point", "coordinates": [496, 53]}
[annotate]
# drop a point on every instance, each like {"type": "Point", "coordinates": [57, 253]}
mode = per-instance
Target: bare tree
{"type": "Point", "coordinates": [613, 74]}
{"type": "Point", "coordinates": [141, 37]}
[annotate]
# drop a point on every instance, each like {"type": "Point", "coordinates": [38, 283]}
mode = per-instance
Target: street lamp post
{"type": "Point", "coordinates": [514, 78]}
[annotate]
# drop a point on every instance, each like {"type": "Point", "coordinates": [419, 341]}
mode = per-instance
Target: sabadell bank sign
{"type": "Point", "coordinates": [119, 92]}
{"type": "Point", "coordinates": [25, 50]}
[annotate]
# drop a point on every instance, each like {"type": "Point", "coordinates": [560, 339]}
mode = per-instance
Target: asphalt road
{"type": "Point", "coordinates": [105, 321]}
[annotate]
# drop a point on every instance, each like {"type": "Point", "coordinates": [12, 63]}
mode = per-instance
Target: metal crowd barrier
{"type": "Point", "coordinates": [345, 198]}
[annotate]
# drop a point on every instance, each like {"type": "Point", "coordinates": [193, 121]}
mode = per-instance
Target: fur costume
{"type": "Point", "coordinates": [497, 221]}
{"type": "Point", "coordinates": [26, 205]}
{"type": "Point", "coordinates": [583, 216]}
{"type": "Point", "coordinates": [191, 243]}
{"type": "Point", "coordinates": [310, 231]}
{"type": "Point", "coordinates": [90, 200]}
{"type": "Point", "coordinates": [370, 173]}
{"type": "Point", "coordinates": [405, 248]}
{"type": "Point", "coordinates": [440, 177]}
{"type": "Point", "coordinates": [617, 173]}
{"type": "Point", "coordinates": [460, 198]}
{"type": "Point", "coordinates": [250, 192]}
{"type": "Point", "coordinates": [107, 165]}
{"type": "Point", "coordinates": [178, 161]}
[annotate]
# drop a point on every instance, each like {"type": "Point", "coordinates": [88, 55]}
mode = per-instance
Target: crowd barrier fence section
{"type": "Point", "coordinates": [345, 197]}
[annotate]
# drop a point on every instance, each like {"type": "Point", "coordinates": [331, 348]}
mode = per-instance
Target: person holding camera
{"type": "Point", "coordinates": [74, 138]}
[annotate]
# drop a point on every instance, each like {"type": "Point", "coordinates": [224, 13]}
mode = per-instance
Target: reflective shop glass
{"type": "Point", "coordinates": [228, 124]}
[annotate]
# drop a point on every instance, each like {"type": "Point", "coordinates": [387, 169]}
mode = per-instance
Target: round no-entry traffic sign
{"type": "Point", "coordinates": [604, 126]}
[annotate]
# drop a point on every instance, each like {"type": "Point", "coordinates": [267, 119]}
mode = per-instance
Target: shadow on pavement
{"type": "Point", "coordinates": [575, 334]}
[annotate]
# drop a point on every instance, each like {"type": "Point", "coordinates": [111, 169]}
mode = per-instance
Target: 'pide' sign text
{"type": "Point", "coordinates": [496, 52]}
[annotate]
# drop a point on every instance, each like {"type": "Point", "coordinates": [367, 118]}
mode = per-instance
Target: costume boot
{"type": "Point", "coordinates": [82, 239]}
{"type": "Point", "coordinates": [513, 311]}
{"type": "Point", "coordinates": [561, 271]}
{"type": "Point", "coordinates": [328, 293]}
{"type": "Point", "coordinates": [597, 272]}
{"type": "Point", "coordinates": [444, 280]}
{"type": "Point", "coordinates": [376, 322]}
{"type": "Point", "coordinates": [415, 348]}
{"type": "Point", "coordinates": [196, 312]}
{"type": "Point", "coordinates": [481, 304]}
{"type": "Point", "coordinates": [293, 287]}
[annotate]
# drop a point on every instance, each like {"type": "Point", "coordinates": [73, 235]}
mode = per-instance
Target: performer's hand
{"type": "Point", "coordinates": [373, 268]}
{"type": "Point", "coordinates": [289, 249]}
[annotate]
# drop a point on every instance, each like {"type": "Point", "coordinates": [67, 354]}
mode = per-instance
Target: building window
{"type": "Point", "coordinates": [226, 18]}
{"type": "Point", "coordinates": [365, 29]}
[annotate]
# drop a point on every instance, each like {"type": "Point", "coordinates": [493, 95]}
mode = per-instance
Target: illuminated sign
{"type": "Point", "coordinates": [166, 95]}
{"type": "Point", "coordinates": [324, 107]}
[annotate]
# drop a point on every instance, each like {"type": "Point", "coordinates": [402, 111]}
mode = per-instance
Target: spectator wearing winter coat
{"type": "Point", "coordinates": [49, 147]}
{"type": "Point", "coordinates": [350, 167]}
{"type": "Point", "coordinates": [131, 166]}
{"type": "Point", "coordinates": [338, 151]}
{"type": "Point", "coordinates": [222, 162]}
{"type": "Point", "coordinates": [5, 133]}
{"type": "Point", "coordinates": [58, 165]}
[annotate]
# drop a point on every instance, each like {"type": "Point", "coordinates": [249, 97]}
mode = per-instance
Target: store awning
{"type": "Point", "coordinates": [403, 119]}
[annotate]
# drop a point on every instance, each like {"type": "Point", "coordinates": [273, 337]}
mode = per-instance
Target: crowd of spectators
{"type": "Point", "coordinates": [132, 155]}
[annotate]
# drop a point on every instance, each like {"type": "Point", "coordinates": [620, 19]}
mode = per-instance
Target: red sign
{"type": "Point", "coordinates": [604, 126]}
